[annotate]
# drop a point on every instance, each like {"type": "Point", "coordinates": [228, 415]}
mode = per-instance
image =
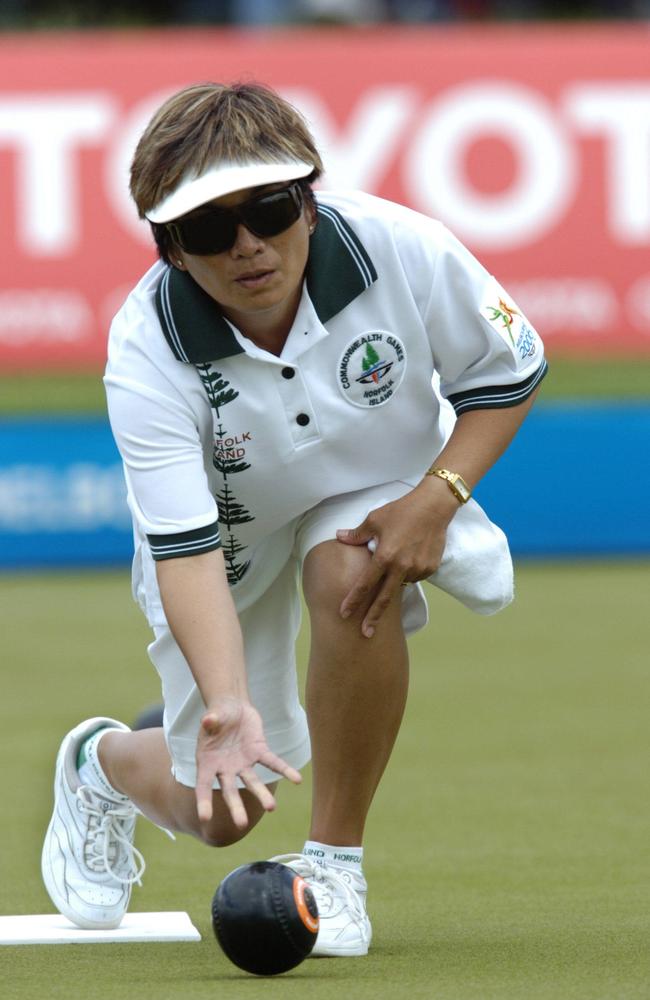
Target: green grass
{"type": "Point", "coordinates": [597, 377]}
{"type": "Point", "coordinates": [27, 393]}
{"type": "Point", "coordinates": [508, 852]}
{"type": "Point", "coordinates": [569, 377]}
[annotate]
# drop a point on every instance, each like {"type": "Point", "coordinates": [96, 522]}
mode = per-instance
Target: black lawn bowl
{"type": "Point", "coordinates": [265, 918]}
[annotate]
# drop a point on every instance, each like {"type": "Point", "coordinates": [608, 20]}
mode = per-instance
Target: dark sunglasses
{"type": "Point", "coordinates": [214, 230]}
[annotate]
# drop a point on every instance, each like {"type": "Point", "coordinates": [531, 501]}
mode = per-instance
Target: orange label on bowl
{"type": "Point", "coordinates": [306, 906]}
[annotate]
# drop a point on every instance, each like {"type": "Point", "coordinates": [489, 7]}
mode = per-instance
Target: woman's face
{"type": "Point", "coordinates": [258, 281]}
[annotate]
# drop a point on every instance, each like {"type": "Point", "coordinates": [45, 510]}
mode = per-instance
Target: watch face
{"type": "Point", "coordinates": [457, 484]}
{"type": "Point", "coordinates": [462, 489]}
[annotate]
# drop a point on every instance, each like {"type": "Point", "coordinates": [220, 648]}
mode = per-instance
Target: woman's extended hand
{"type": "Point", "coordinates": [230, 742]}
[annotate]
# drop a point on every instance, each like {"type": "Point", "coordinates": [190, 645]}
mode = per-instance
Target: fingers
{"type": "Point", "coordinates": [280, 766]}
{"type": "Point", "coordinates": [256, 786]}
{"type": "Point", "coordinates": [204, 797]}
{"type": "Point", "coordinates": [390, 589]}
{"type": "Point", "coordinates": [233, 801]}
{"type": "Point", "coordinates": [231, 793]}
{"type": "Point", "coordinates": [355, 536]}
{"type": "Point", "coordinates": [374, 591]}
{"type": "Point", "coordinates": [229, 779]}
{"type": "Point", "coordinates": [363, 590]}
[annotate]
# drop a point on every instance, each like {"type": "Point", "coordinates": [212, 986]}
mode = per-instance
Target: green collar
{"type": "Point", "coordinates": [338, 270]}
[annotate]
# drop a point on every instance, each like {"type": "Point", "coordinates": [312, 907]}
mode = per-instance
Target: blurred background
{"type": "Point", "coordinates": [265, 13]}
{"type": "Point", "coordinates": [524, 126]}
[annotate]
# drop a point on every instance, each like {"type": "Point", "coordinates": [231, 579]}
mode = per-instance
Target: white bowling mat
{"type": "Point", "coordinates": [52, 928]}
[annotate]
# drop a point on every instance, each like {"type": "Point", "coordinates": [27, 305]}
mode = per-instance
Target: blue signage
{"type": "Point", "coordinates": [62, 494]}
{"type": "Point", "coordinates": [575, 482]}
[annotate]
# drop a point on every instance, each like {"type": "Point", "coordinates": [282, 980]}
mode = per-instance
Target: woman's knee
{"type": "Point", "coordinates": [329, 572]}
{"type": "Point", "coordinates": [218, 835]}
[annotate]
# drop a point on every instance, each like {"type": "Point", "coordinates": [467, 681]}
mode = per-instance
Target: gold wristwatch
{"type": "Point", "coordinates": [454, 480]}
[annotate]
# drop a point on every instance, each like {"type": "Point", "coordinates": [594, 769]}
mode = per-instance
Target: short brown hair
{"type": "Point", "coordinates": [209, 122]}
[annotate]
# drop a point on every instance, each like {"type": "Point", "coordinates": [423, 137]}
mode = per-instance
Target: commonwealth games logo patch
{"type": "Point", "coordinates": [371, 368]}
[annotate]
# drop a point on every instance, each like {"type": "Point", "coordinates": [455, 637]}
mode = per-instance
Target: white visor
{"type": "Point", "coordinates": [227, 177]}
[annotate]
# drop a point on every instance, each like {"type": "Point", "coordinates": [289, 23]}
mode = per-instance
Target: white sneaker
{"type": "Point", "coordinates": [89, 862]}
{"type": "Point", "coordinates": [340, 894]}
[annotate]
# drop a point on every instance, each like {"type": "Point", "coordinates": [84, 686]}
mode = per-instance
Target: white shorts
{"type": "Point", "coordinates": [476, 569]}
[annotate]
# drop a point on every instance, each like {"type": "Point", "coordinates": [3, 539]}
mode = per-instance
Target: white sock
{"type": "Point", "coordinates": [90, 770]}
{"type": "Point", "coordinates": [338, 857]}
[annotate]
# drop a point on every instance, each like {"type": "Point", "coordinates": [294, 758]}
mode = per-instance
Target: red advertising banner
{"type": "Point", "coordinates": [531, 142]}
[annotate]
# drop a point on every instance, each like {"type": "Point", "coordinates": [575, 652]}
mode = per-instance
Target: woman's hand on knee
{"type": "Point", "coordinates": [406, 538]}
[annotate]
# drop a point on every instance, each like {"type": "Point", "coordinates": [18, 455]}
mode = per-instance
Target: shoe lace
{"type": "Point", "coordinates": [109, 845]}
{"type": "Point", "coordinates": [330, 884]}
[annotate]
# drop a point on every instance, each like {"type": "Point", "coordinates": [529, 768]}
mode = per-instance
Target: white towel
{"type": "Point", "coordinates": [476, 569]}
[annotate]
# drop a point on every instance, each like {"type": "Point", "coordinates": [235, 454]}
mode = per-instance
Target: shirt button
{"type": "Point", "coordinates": [302, 419]}
{"type": "Point", "coordinates": [288, 372]}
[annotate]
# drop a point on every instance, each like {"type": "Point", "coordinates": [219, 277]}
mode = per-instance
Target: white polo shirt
{"type": "Point", "coordinates": [398, 329]}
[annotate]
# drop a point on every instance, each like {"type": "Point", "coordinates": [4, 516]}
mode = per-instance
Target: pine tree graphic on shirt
{"type": "Point", "coordinates": [216, 387]}
{"type": "Point", "coordinates": [231, 512]}
{"type": "Point", "coordinates": [234, 570]}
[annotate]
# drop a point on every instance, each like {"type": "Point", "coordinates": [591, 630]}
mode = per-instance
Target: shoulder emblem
{"type": "Point", "coordinates": [509, 322]}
